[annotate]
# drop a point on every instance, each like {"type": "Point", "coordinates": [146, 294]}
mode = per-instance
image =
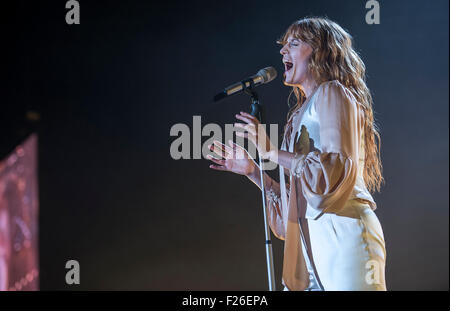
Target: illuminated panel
{"type": "Point", "coordinates": [19, 205]}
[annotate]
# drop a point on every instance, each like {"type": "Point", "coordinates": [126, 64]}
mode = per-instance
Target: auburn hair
{"type": "Point", "coordinates": [334, 58]}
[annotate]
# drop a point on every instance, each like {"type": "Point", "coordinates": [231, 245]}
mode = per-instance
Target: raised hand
{"type": "Point", "coordinates": [256, 133]}
{"type": "Point", "coordinates": [233, 158]}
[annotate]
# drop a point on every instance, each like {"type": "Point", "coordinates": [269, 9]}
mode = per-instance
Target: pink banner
{"type": "Point", "coordinates": [19, 205]}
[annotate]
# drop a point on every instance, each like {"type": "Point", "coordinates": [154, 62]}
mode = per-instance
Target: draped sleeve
{"type": "Point", "coordinates": [328, 176]}
{"type": "Point", "coordinates": [274, 207]}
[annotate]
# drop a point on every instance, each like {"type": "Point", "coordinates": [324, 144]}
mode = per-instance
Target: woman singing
{"type": "Point", "coordinates": [330, 157]}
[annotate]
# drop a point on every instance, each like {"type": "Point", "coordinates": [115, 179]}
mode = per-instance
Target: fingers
{"type": "Point", "coordinates": [233, 145]}
{"type": "Point", "coordinates": [251, 137]}
{"type": "Point", "coordinates": [245, 119]}
{"type": "Point", "coordinates": [222, 146]}
{"type": "Point", "coordinates": [248, 127]}
{"type": "Point", "coordinates": [218, 167]}
{"type": "Point", "coordinates": [244, 116]}
{"type": "Point", "coordinates": [227, 149]}
{"type": "Point", "coordinates": [250, 123]}
{"type": "Point", "coordinates": [217, 161]}
{"type": "Point", "coordinates": [242, 134]}
{"type": "Point", "coordinates": [248, 115]}
{"type": "Point", "coordinates": [238, 151]}
{"type": "Point", "coordinates": [220, 163]}
{"type": "Point", "coordinates": [219, 149]}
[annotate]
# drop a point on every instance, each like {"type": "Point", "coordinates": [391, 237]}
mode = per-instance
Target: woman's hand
{"type": "Point", "coordinates": [235, 159]}
{"type": "Point", "coordinates": [256, 133]}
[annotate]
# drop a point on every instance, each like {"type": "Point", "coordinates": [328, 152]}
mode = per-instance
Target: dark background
{"type": "Point", "coordinates": [109, 90]}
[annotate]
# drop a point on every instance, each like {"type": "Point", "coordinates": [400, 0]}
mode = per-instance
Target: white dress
{"type": "Point", "coordinates": [325, 214]}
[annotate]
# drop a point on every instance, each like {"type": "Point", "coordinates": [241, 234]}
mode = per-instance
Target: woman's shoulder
{"type": "Point", "coordinates": [336, 86]}
{"type": "Point", "coordinates": [335, 89]}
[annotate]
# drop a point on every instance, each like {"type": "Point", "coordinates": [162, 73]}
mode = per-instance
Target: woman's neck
{"type": "Point", "coordinates": [308, 86]}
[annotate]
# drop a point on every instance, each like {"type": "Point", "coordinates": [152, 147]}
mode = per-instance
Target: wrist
{"type": "Point", "coordinates": [272, 155]}
{"type": "Point", "coordinates": [252, 173]}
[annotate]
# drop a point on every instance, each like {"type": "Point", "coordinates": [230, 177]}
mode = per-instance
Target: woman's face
{"type": "Point", "coordinates": [296, 56]}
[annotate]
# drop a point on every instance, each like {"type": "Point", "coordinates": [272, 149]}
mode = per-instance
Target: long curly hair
{"type": "Point", "coordinates": [334, 58]}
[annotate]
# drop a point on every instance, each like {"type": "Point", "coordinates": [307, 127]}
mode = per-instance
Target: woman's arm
{"type": "Point", "coordinates": [281, 157]}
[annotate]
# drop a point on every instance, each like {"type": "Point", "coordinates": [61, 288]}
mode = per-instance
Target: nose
{"type": "Point", "coordinates": [283, 50]}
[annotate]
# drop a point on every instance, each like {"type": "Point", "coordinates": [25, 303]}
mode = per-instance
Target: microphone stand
{"type": "Point", "coordinates": [257, 111]}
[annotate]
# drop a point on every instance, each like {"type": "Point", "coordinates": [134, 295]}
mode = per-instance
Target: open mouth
{"type": "Point", "coordinates": [288, 66]}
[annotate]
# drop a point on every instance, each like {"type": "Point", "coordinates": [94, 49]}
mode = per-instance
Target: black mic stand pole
{"type": "Point", "coordinates": [257, 111]}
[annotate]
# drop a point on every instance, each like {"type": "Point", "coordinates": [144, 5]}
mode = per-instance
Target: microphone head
{"type": "Point", "coordinates": [268, 74]}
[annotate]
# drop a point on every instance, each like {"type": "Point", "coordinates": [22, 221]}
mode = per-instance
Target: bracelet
{"type": "Point", "coordinates": [273, 197]}
{"type": "Point", "coordinates": [298, 164]}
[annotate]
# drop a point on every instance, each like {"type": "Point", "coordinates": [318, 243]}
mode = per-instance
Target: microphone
{"type": "Point", "coordinates": [263, 76]}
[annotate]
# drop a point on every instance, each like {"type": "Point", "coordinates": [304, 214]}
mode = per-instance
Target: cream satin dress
{"type": "Point", "coordinates": [325, 214]}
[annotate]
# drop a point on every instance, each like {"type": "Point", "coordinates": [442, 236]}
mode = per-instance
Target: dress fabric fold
{"type": "Point", "coordinates": [333, 239]}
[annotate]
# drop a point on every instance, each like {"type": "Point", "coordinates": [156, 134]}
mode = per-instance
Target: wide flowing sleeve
{"type": "Point", "coordinates": [274, 209]}
{"type": "Point", "coordinates": [328, 176]}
